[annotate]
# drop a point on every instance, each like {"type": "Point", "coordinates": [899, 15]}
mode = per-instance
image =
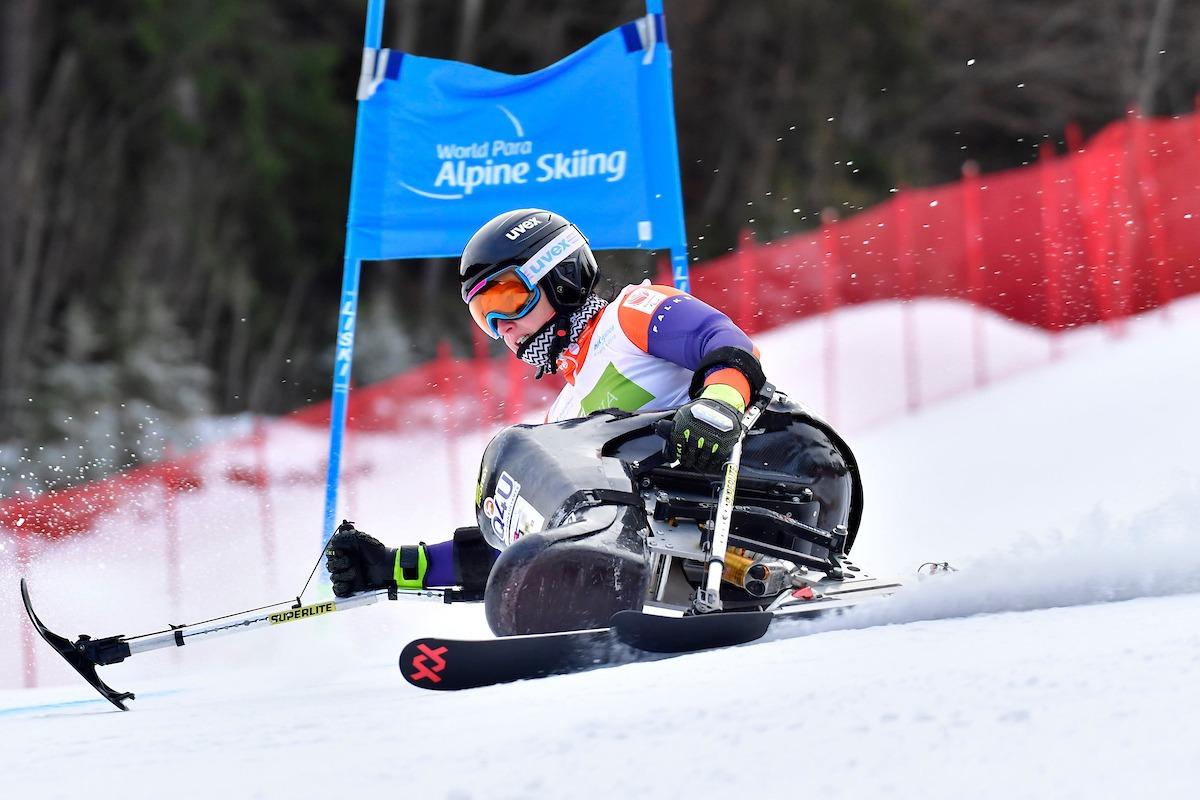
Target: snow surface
{"type": "Point", "coordinates": [1062, 660]}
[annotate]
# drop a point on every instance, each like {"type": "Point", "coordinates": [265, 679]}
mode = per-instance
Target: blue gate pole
{"type": "Point", "coordinates": [342, 361]}
{"type": "Point", "coordinates": [679, 250]}
{"type": "Point", "coordinates": [679, 268]}
{"type": "Point", "coordinates": [347, 314]}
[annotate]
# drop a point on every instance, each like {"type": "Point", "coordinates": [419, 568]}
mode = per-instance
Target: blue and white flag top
{"type": "Point", "coordinates": [441, 147]}
{"type": "Point", "coordinates": [445, 146]}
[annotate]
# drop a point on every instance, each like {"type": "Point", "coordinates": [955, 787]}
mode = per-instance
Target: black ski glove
{"type": "Point", "coordinates": [358, 563]}
{"type": "Point", "coordinates": [704, 433]}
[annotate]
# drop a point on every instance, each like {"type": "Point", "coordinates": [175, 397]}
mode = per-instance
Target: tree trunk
{"type": "Point", "coordinates": [468, 30]}
{"type": "Point", "coordinates": [17, 35]}
{"type": "Point", "coordinates": [1151, 59]}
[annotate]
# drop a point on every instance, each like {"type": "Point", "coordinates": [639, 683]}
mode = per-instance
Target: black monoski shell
{"type": "Point", "coordinates": [571, 565]}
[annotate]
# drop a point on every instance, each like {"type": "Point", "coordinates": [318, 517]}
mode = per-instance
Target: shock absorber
{"type": "Point", "coordinates": [758, 576]}
{"type": "Point", "coordinates": [737, 565]}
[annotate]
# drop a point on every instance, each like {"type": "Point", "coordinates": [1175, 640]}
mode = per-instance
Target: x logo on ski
{"type": "Point", "coordinates": [430, 672]}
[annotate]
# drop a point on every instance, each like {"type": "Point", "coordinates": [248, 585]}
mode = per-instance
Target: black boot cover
{"type": "Point", "coordinates": [570, 578]}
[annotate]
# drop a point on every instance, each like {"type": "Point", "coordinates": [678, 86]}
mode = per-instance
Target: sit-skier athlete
{"type": "Point", "coordinates": [529, 278]}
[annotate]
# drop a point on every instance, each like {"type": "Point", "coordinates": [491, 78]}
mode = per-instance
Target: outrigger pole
{"type": "Point", "coordinates": [86, 653]}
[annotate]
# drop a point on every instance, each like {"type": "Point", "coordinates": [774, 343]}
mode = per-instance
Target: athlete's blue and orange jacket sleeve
{"type": "Point", "coordinates": [687, 331]}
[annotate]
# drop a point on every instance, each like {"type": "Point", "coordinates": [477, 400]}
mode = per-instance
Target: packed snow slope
{"type": "Point", "coordinates": [1062, 660]}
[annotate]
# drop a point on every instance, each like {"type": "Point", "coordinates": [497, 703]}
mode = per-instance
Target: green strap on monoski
{"type": "Point", "coordinates": [708, 596]}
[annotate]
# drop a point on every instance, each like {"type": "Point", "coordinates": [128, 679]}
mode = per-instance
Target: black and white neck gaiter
{"type": "Point", "coordinates": [542, 349]}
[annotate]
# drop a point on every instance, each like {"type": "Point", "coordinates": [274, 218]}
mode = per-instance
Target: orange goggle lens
{"type": "Point", "coordinates": [506, 298]}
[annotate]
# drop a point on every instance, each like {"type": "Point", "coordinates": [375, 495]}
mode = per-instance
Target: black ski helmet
{"type": "Point", "coordinates": [513, 238]}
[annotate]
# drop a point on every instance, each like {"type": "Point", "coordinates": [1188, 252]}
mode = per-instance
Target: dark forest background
{"type": "Point", "coordinates": [174, 174]}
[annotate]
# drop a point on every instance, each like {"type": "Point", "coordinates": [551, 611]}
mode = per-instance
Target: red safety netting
{"type": "Point", "coordinates": [1106, 232]}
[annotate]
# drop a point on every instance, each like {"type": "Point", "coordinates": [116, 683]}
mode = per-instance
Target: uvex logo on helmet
{"type": "Point", "coordinates": [521, 227]}
{"type": "Point", "coordinates": [551, 254]}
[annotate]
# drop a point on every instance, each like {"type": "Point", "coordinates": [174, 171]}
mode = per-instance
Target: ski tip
{"type": "Point", "coordinates": [422, 662]}
{"type": "Point", "coordinates": [37, 623]}
{"type": "Point", "coordinates": [74, 655]}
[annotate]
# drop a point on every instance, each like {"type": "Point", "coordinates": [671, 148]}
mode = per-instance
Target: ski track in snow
{"type": "Point", "coordinates": [1158, 555]}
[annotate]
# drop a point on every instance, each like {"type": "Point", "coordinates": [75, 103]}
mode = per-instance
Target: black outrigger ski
{"type": "Point", "coordinates": [85, 653]}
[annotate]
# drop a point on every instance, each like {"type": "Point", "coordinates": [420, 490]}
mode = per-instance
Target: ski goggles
{"type": "Point", "coordinates": [504, 296]}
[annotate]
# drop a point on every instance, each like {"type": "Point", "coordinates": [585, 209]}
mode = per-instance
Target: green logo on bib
{"type": "Point", "coordinates": [614, 390]}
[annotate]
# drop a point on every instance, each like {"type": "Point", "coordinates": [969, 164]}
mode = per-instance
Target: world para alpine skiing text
{"type": "Point", "coordinates": [457, 171]}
